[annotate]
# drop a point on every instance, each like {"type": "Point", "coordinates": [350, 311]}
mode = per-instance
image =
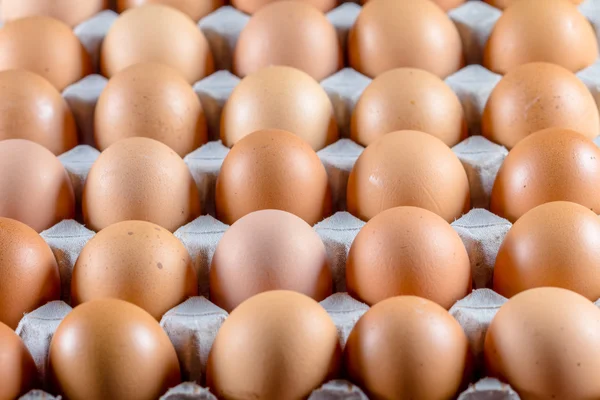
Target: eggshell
{"type": "Point", "coordinates": [279, 97]}
{"type": "Point", "coordinates": [150, 100]}
{"type": "Point", "coordinates": [502, 4]}
{"type": "Point", "coordinates": [541, 30]}
{"type": "Point", "coordinates": [195, 9]}
{"type": "Point", "coordinates": [135, 261]}
{"type": "Point", "coordinates": [390, 34]}
{"type": "Point", "coordinates": [45, 46]}
{"type": "Point", "coordinates": [449, 4]}
{"type": "Point", "coordinates": [408, 99]}
{"type": "Point", "coordinates": [17, 370]}
{"type": "Point", "coordinates": [139, 179]}
{"type": "Point", "coordinates": [268, 250]}
{"type": "Point", "coordinates": [408, 168]}
{"type": "Point", "coordinates": [537, 96]}
{"type": "Point", "coordinates": [549, 165]}
{"type": "Point", "coordinates": [68, 11]}
{"type": "Point", "coordinates": [291, 33]}
{"type": "Point", "coordinates": [176, 41]}
{"type": "Point", "coordinates": [252, 6]}
{"type": "Point", "coordinates": [111, 349]}
{"type": "Point", "coordinates": [272, 169]}
{"type": "Point", "coordinates": [408, 348]}
{"type": "Point", "coordinates": [35, 187]}
{"type": "Point", "coordinates": [275, 345]}
{"type": "Point", "coordinates": [545, 343]}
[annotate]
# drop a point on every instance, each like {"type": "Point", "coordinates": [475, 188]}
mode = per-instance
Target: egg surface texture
{"type": "Point", "coordinates": [195, 9]}
{"type": "Point", "coordinates": [70, 12]}
{"type": "Point", "coordinates": [17, 369]}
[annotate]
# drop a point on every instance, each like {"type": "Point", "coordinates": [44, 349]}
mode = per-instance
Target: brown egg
{"type": "Point", "coordinates": [449, 4]}
{"type": "Point", "coordinates": [291, 33]}
{"type": "Point", "coordinates": [45, 46]}
{"type": "Point", "coordinates": [502, 4]}
{"type": "Point", "coordinates": [279, 97]}
{"type": "Point", "coordinates": [275, 345]}
{"type": "Point", "coordinates": [272, 169]}
{"type": "Point", "coordinates": [268, 250]}
{"type": "Point", "coordinates": [135, 261]}
{"type": "Point", "coordinates": [408, 99]}
{"type": "Point", "coordinates": [68, 11]}
{"type": "Point", "coordinates": [35, 187]}
{"type": "Point", "coordinates": [29, 272]}
{"type": "Point", "coordinates": [537, 96]}
{"type": "Point", "coordinates": [532, 30]}
{"type": "Point", "coordinates": [408, 348]}
{"type": "Point", "coordinates": [252, 6]}
{"type": "Point", "coordinates": [139, 179]}
{"type": "Point", "coordinates": [31, 108]}
{"type": "Point", "coordinates": [549, 165]}
{"type": "Point", "coordinates": [408, 168]}
{"type": "Point", "coordinates": [390, 34]}
{"type": "Point", "coordinates": [154, 101]}
{"type": "Point", "coordinates": [175, 41]}
{"type": "Point", "coordinates": [17, 370]}
{"type": "Point", "coordinates": [545, 343]}
{"type": "Point", "coordinates": [111, 349]}
{"type": "Point", "coordinates": [195, 9]}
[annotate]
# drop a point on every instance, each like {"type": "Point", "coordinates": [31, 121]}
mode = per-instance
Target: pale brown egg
{"type": "Point", "coordinates": [408, 348]}
{"type": "Point", "coordinates": [541, 30]}
{"type": "Point", "coordinates": [502, 4]}
{"type": "Point", "coordinates": [252, 6]}
{"type": "Point", "coordinates": [150, 100]}
{"type": "Point", "coordinates": [17, 369]}
{"type": "Point", "coordinates": [279, 97]}
{"type": "Point", "coordinates": [556, 244]}
{"type": "Point", "coordinates": [268, 250]}
{"type": "Point", "coordinates": [545, 343]}
{"type": "Point", "coordinates": [550, 165]}
{"type": "Point", "coordinates": [272, 169]}
{"type": "Point", "coordinates": [176, 41]}
{"type": "Point", "coordinates": [449, 4]}
{"type": "Point", "coordinates": [139, 179]}
{"type": "Point", "coordinates": [537, 96]}
{"type": "Point", "coordinates": [275, 345]}
{"type": "Point", "coordinates": [195, 9]}
{"type": "Point", "coordinates": [111, 349]}
{"type": "Point", "coordinates": [135, 261]}
{"type": "Point", "coordinates": [70, 12]}
{"type": "Point", "coordinates": [291, 33]}
{"type": "Point", "coordinates": [408, 99]}
{"type": "Point", "coordinates": [391, 34]}
{"type": "Point", "coordinates": [408, 168]}
{"type": "Point", "coordinates": [36, 188]}
{"type": "Point", "coordinates": [31, 108]}
{"type": "Point", "coordinates": [29, 272]}
{"type": "Point", "coordinates": [408, 251]}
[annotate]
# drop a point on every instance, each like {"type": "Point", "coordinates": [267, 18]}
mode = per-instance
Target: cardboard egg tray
{"type": "Point", "coordinates": [192, 326]}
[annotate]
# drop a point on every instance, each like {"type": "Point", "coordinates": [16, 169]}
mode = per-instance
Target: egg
{"type": "Point", "coordinates": [35, 187]}
{"type": "Point", "coordinates": [408, 251]}
{"type": "Point", "coordinates": [30, 276]}
{"type": "Point", "coordinates": [139, 179]}
{"type": "Point", "coordinates": [502, 4]}
{"type": "Point", "coordinates": [252, 6]}
{"type": "Point", "coordinates": [408, 348]}
{"type": "Point", "coordinates": [291, 33]}
{"type": "Point", "coordinates": [45, 46]}
{"type": "Point", "coordinates": [279, 97]}
{"type": "Point", "coordinates": [537, 96]}
{"type": "Point", "coordinates": [408, 99]}
{"type": "Point", "coordinates": [275, 345]}
{"type": "Point", "coordinates": [135, 261]}
{"type": "Point", "coordinates": [195, 9]}
{"type": "Point", "coordinates": [449, 4]}
{"type": "Point", "coordinates": [268, 250]}
{"type": "Point", "coordinates": [272, 169]}
{"type": "Point", "coordinates": [70, 12]}
{"type": "Point", "coordinates": [111, 349]}
{"type": "Point", "coordinates": [532, 30]}
{"type": "Point", "coordinates": [408, 168]}
{"type": "Point", "coordinates": [154, 101]}
{"type": "Point", "coordinates": [17, 369]}
{"type": "Point", "coordinates": [176, 41]}
{"type": "Point", "coordinates": [391, 34]}
{"type": "Point", "coordinates": [549, 165]}
{"type": "Point", "coordinates": [545, 343]}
